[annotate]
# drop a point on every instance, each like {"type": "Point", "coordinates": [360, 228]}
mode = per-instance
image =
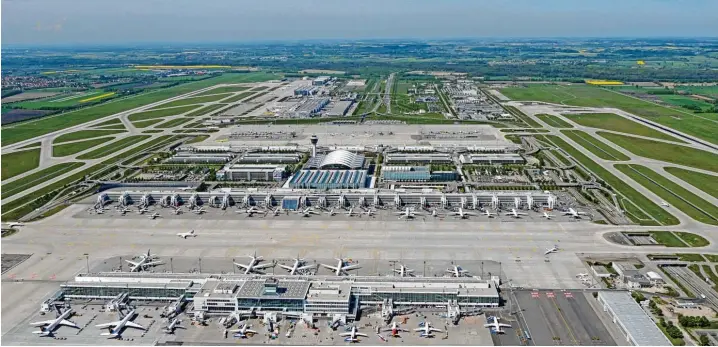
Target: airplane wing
{"type": "Point", "coordinates": [107, 325]}
{"type": "Point", "coordinates": [346, 334]}
{"type": "Point", "coordinates": [134, 264]}
{"type": "Point", "coordinates": [419, 329]}
{"type": "Point", "coordinates": [263, 266]}
{"type": "Point", "coordinates": [502, 325]}
{"type": "Point", "coordinates": [488, 325]}
{"type": "Point", "coordinates": [333, 268]}
{"type": "Point", "coordinates": [288, 268]}
{"type": "Point", "coordinates": [134, 325]}
{"type": "Point", "coordinates": [250, 331]}
{"type": "Point", "coordinates": [508, 214]}
{"type": "Point", "coordinates": [351, 267]}
{"type": "Point", "coordinates": [362, 335]}
{"type": "Point", "coordinates": [242, 266]}
{"type": "Point", "coordinates": [152, 263]}
{"type": "Point", "coordinates": [45, 322]}
{"type": "Point", "coordinates": [307, 267]}
{"type": "Point", "coordinates": [68, 323]}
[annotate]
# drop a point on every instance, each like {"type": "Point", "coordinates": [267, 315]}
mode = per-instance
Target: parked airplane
{"type": "Point", "coordinates": [146, 260]}
{"type": "Point", "coordinates": [548, 216]}
{"type": "Point", "coordinates": [243, 331]}
{"type": "Point", "coordinates": [155, 215]}
{"type": "Point", "coordinates": [495, 326]}
{"type": "Point", "coordinates": [277, 211]}
{"type": "Point", "coordinates": [435, 214]}
{"type": "Point", "coordinates": [297, 266]}
{"type": "Point", "coordinates": [489, 214]}
{"type": "Point", "coordinates": [124, 211]}
{"type": "Point", "coordinates": [187, 234]}
{"type": "Point", "coordinates": [307, 212]}
{"type": "Point", "coordinates": [515, 214]}
{"type": "Point", "coordinates": [395, 329]}
{"type": "Point", "coordinates": [174, 324]}
{"type": "Point", "coordinates": [116, 328]}
{"type": "Point", "coordinates": [352, 336]}
{"type": "Point", "coordinates": [457, 271]}
{"type": "Point", "coordinates": [100, 211]}
{"type": "Point", "coordinates": [250, 211]}
{"type": "Point", "coordinates": [408, 214]}
{"type": "Point", "coordinates": [331, 212]}
{"type": "Point", "coordinates": [254, 264]}
{"type": "Point", "coordinates": [15, 225]}
{"type": "Point", "coordinates": [663, 203]}
{"type": "Point", "coordinates": [551, 250]}
{"type": "Point", "coordinates": [573, 213]}
{"type": "Point", "coordinates": [368, 212]}
{"type": "Point", "coordinates": [341, 268]}
{"type": "Point", "coordinates": [461, 214]}
{"type": "Point", "coordinates": [177, 211]}
{"type": "Point", "coordinates": [142, 210]}
{"type": "Point", "coordinates": [186, 188]}
{"type": "Point", "coordinates": [427, 330]}
{"type": "Point", "coordinates": [402, 271]}
{"type": "Point", "coordinates": [583, 274]}
{"type": "Point", "coordinates": [48, 327]}
{"type": "Point", "coordinates": [199, 210]}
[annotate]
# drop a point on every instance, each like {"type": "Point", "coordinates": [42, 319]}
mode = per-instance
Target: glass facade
{"type": "Point", "coordinates": [108, 292]}
{"type": "Point", "coordinates": [271, 304]}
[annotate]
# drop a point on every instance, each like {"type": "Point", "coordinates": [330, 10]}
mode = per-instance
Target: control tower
{"type": "Point", "coordinates": [314, 139]}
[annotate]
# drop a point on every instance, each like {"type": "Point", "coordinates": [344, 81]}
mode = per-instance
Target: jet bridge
{"type": "Point", "coordinates": [125, 199]}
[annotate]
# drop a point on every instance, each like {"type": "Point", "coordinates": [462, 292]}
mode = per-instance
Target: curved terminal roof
{"type": "Point", "coordinates": [341, 159]}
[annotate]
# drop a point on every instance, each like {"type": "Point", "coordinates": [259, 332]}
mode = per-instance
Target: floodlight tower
{"type": "Point", "coordinates": [314, 139]}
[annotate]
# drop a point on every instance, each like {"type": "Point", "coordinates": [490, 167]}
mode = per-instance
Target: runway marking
{"type": "Point", "coordinates": [568, 295]}
{"type": "Point", "coordinates": [565, 323]}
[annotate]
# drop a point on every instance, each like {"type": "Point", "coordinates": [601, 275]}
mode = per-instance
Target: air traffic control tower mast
{"type": "Point", "coordinates": [314, 139]}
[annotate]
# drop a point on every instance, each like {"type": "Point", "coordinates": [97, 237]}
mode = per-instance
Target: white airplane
{"type": "Point", "coordinates": [142, 210]}
{"type": "Point", "coordinates": [186, 188]}
{"type": "Point", "coordinates": [515, 214]}
{"type": "Point", "coordinates": [100, 211]}
{"type": "Point", "coordinates": [116, 328]}
{"type": "Point", "coordinates": [457, 271]}
{"type": "Point", "coordinates": [277, 211]}
{"type": "Point", "coordinates": [402, 271]}
{"type": "Point", "coordinates": [548, 216]}
{"type": "Point", "coordinates": [124, 211]}
{"type": "Point", "coordinates": [368, 212]}
{"type": "Point", "coordinates": [427, 330]}
{"type": "Point", "coordinates": [408, 214]}
{"type": "Point", "coordinates": [350, 213]}
{"type": "Point", "coordinates": [582, 275]}
{"type": "Point", "coordinates": [15, 225]}
{"type": "Point", "coordinates": [199, 210]}
{"type": "Point", "coordinates": [170, 328]}
{"type": "Point", "coordinates": [307, 212]}
{"type": "Point", "coordinates": [331, 212]}
{"type": "Point", "coordinates": [48, 327]}
{"type": "Point", "coordinates": [254, 264]}
{"type": "Point", "coordinates": [352, 336]}
{"type": "Point", "coordinates": [489, 214]}
{"type": "Point", "coordinates": [461, 214]}
{"type": "Point", "coordinates": [341, 269]}
{"type": "Point", "coordinates": [496, 326]}
{"type": "Point", "coordinates": [155, 215]}
{"type": "Point", "coordinates": [187, 234]}
{"type": "Point", "coordinates": [177, 211]}
{"type": "Point", "coordinates": [435, 214]}
{"type": "Point", "coordinates": [395, 329]}
{"type": "Point", "coordinates": [297, 266]}
{"type": "Point", "coordinates": [243, 331]}
{"type": "Point", "coordinates": [574, 214]}
{"type": "Point", "coordinates": [552, 250]}
{"type": "Point", "coordinates": [663, 203]}
{"type": "Point", "coordinates": [250, 211]}
{"type": "Point", "coordinates": [145, 261]}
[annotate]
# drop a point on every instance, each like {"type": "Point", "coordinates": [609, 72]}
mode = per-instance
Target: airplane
{"type": "Point", "coordinates": [341, 269]}
{"type": "Point", "coordinates": [368, 212]}
{"type": "Point", "coordinates": [350, 213]}
{"type": "Point", "coordinates": [489, 214]}
{"type": "Point", "coordinates": [457, 271]}
{"type": "Point", "coordinates": [199, 210]}
{"type": "Point", "coordinates": [331, 212]}
{"type": "Point", "coordinates": [496, 326]}
{"type": "Point", "coordinates": [352, 335]}
{"type": "Point", "coordinates": [115, 328]}
{"type": "Point", "coordinates": [177, 211]}
{"type": "Point", "coordinates": [145, 261]}
{"type": "Point", "coordinates": [124, 211]}
{"type": "Point", "coordinates": [307, 212]}
{"type": "Point", "coordinates": [170, 328]}
{"type": "Point", "coordinates": [243, 331]}
{"type": "Point", "coordinates": [142, 210]}
{"type": "Point", "coordinates": [515, 213]}
{"type": "Point", "coordinates": [187, 234]}
{"type": "Point", "coordinates": [48, 327]}
{"type": "Point", "coordinates": [395, 329]}
{"type": "Point", "coordinates": [254, 264]}
{"type": "Point", "coordinates": [99, 211]}
{"type": "Point", "coordinates": [552, 250]}
{"type": "Point", "coordinates": [461, 214]}
{"type": "Point", "coordinates": [663, 203]}
{"type": "Point", "coordinates": [583, 274]}
{"type": "Point", "coordinates": [435, 214]}
{"type": "Point", "coordinates": [408, 214]}
{"type": "Point", "coordinates": [573, 213]}
{"type": "Point", "coordinates": [186, 188]}
{"type": "Point", "coordinates": [155, 215]}
{"type": "Point", "coordinates": [548, 216]}
{"type": "Point", "coordinates": [250, 211]}
{"type": "Point", "coordinates": [298, 266]}
{"type": "Point", "coordinates": [278, 211]}
{"type": "Point", "coordinates": [427, 330]}
{"type": "Point", "coordinates": [403, 271]}
{"type": "Point", "coordinates": [149, 255]}
{"type": "Point", "coordinates": [15, 225]}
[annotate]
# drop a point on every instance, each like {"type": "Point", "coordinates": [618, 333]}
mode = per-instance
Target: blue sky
{"type": "Point", "coordinates": [134, 21]}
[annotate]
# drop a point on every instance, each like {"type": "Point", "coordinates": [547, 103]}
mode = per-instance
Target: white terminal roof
{"type": "Point", "coordinates": [639, 327]}
{"type": "Point", "coordinates": [343, 158]}
{"type": "Point", "coordinates": [654, 276]}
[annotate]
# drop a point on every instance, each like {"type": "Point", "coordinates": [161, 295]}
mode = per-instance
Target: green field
{"type": "Point", "coordinates": [692, 257]}
{"type": "Point", "coordinates": [85, 134]}
{"type": "Point", "coordinates": [223, 90]}
{"type": "Point", "coordinates": [16, 163]}
{"type": "Point", "coordinates": [192, 101]}
{"type": "Point", "coordinates": [238, 97]}
{"type": "Point", "coordinates": [63, 100]}
{"type": "Point", "coordinates": [147, 123]}
{"type": "Point", "coordinates": [17, 186]}
{"type": "Point", "coordinates": [112, 121]}
{"type": "Point", "coordinates": [29, 129]}
{"type": "Point", "coordinates": [205, 110]}
{"type": "Point", "coordinates": [76, 147]}
{"type": "Point", "coordinates": [32, 145]}
{"type": "Point", "coordinates": [595, 146]}
{"type": "Point", "coordinates": [667, 152]}
{"type": "Point", "coordinates": [114, 147]}
{"type": "Point", "coordinates": [683, 101]}
{"type": "Point", "coordinates": [583, 95]}
{"type": "Point", "coordinates": [614, 122]}
{"type": "Point", "coordinates": [554, 121]}
{"type": "Point", "coordinates": [667, 238]}
{"type": "Point", "coordinates": [152, 131]}
{"type": "Point", "coordinates": [704, 182]}
{"type": "Point", "coordinates": [710, 91]}
{"type": "Point", "coordinates": [672, 193]}
{"type": "Point", "coordinates": [112, 127]}
{"type": "Point", "coordinates": [523, 117]}
{"type": "Point", "coordinates": [172, 123]}
{"type": "Point", "coordinates": [160, 113]}
{"type": "Point", "coordinates": [692, 239]}
{"type": "Point", "coordinates": [618, 185]}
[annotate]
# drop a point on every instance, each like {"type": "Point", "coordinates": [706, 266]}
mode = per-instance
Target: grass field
{"type": "Point", "coordinates": [172, 123]}
{"type": "Point", "coordinates": [26, 130]}
{"type": "Point", "coordinates": [63, 100]}
{"type": "Point", "coordinates": [669, 153]}
{"type": "Point", "coordinates": [113, 147]}
{"type": "Point", "coordinates": [706, 183]}
{"type": "Point", "coordinates": [16, 163]}
{"type": "Point", "coordinates": [595, 146]}
{"type": "Point", "coordinates": [192, 101]}
{"type": "Point", "coordinates": [618, 185]}
{"type": "Point", "coordinates": [692, 239]}
{"type": "Point", "coordinates": [238, 97]}
{"type": "Point", "coordinates": [523, 117]}
{"type": "Point", "coordinates": [85, 134]}
{"type": "Point", "coordinates": [614, 122]}
{"type": "Point", "coordinates": [147, 123]}
{"type": "Point", "coordinates": [227, 89]}
{"type": "Point", "coordinates": [152, 131]}
{"type": "Point", "coordinates": [205, 110]}
{"type": "Point", "coordinates": [17, 186]}
{"type": "Point", "coordinates": [691, 257]}
{"type": "Point", "coordinates": [76, 147]}
{"type": "Point", "coordinates": [667, 238]}
{"type": "Point", "coordinates": [672, 193]}
{"type": "Point", "coordinates": [112, 127]}
{"type": "Point", "coordinates": [554, 121]}
{"type": "Point", "coordinates": [32, 145]}
{"type": "Point", "coordinates": [582, 95]}
{"type": "Point", "coordinates": [682, 101]}
{"type": "Point", "coordinates": [159, 113]}
{"type": "Point", "coordinates": [112, 121]}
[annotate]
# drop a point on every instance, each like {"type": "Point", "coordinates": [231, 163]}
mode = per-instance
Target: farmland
{"type": "Point", "coordinates": [113, 147]}
{"type": "Point", "coordinates": [614, 122]}
{"type": "Point", "coordinates": [595, 146]}
{"type": "Point", "coordinates": [669, 153]}
{"type": "Point", "coordinates": [591, 96]}
{"type": "Point", "coordinates": [16, 163]}
{"type": "Point", "coordinates": [17, 186]}
{"type": "Point", "coordinates": [704, 182]}
{"type": "Point", "coordinates": [554, 121]}
{"type": "Point", "coordinates": [85, 134]}
{"type": "Point", "coordinates": [76, 147]}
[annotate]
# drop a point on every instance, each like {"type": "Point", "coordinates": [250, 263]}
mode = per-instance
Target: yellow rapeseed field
{"type": "Point", "coordinates": [101, 96]}
{"type": "Point", "coordinates": [604, 83]}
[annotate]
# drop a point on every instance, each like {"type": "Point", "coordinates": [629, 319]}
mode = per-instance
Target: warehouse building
{"type": "Point", "coordinates": [248, 172]}
{"type": "Point", "coordinates": [638, 328]}
{"type": "Point", "coordinates": [416, 174]}
{"type": "Point", "coordinates": [428, 158]}
{"type": "Point", "coordinates": [270, 158]}
{"type": "Point", "coordinates": [321, 80]}
{"type": "Point", "coordinates": [340, 109]}
{"type": "Point", "coordinates": [492, 159]}
{"type": "Point", "coordinates": [306, 91]}
{"type": "Point", "coordinates": [201, 158]}
{"type": "Point", "coordinates": [312, 107]}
